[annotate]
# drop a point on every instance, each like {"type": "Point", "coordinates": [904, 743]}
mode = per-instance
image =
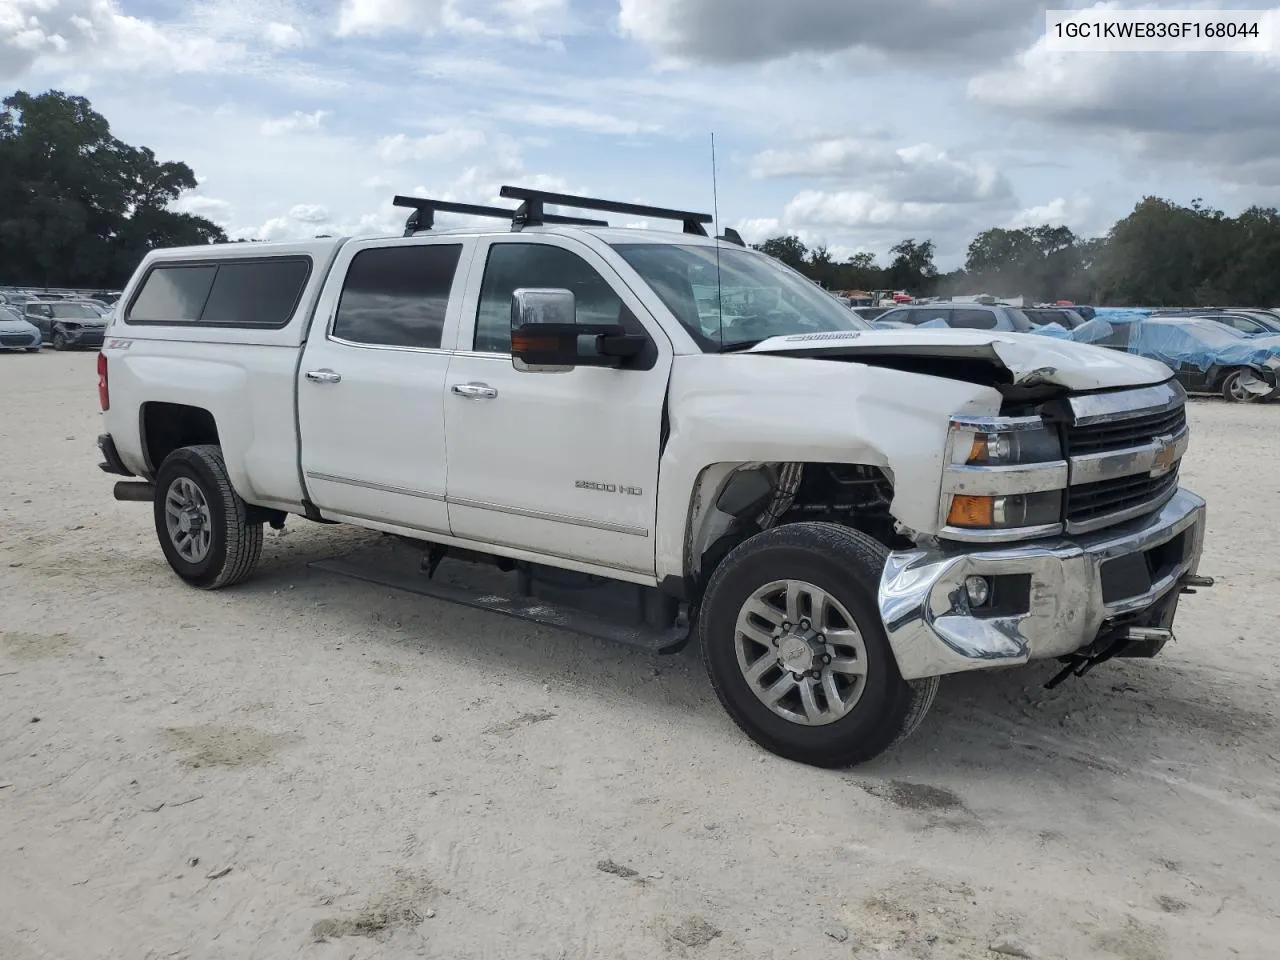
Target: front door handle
{"type": "Point", "coordinates": [474, 391]}
{"type": "Point", "coordinates": [323, 376]}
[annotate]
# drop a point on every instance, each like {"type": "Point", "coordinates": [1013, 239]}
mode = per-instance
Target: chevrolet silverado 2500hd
{"type": "Point", "coordinates": [840, 516]}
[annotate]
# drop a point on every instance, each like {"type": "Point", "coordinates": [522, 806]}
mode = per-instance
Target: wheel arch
{"type": "Point", "coordinates": [732, 501]}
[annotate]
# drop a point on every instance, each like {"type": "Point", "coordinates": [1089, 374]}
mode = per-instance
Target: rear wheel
{"type": "Point", "coordinates": [792, 640]}
{"type": "Point", "coordinates": [201, 521]}
{"type": "Point", "coordinates": [1244, 386]}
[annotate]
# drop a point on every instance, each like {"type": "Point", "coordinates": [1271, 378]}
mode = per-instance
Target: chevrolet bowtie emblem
{"type": "Point", "coordinates": [1165, 456]}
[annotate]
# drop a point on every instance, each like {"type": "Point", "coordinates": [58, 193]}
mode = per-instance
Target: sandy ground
{"type": "Point", "coordinates": [310, 767]}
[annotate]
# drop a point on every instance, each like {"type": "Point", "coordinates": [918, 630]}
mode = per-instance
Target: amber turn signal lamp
{"type": "Point", "coordinates": [967, 511]}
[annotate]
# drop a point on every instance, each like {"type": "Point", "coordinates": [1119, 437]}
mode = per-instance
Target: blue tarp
{"type": "Point", "coordinates": [1177, 343]}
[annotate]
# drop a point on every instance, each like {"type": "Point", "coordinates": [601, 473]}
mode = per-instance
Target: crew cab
{"type": "Point", "coordinates": [838, 515]}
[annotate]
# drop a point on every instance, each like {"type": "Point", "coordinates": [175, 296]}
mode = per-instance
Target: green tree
{"type": "Point", "coordinates": [912, 267]}
{"type": "Point", "coordinates": [79, 207]}
{"type": "Point", "coordinates": [789, 249]}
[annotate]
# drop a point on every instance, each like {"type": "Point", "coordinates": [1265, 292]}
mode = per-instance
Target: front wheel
{"type": "Point", "coordinates": [201, 521]}
{"type": "Point", "coordinates": [1244, 386]}
{"type": "Point", "coordinates": [59, 340]}
{"type": "Point", "coordinates": [792, 640]}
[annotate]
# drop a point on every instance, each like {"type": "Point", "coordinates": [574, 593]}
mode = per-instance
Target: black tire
{"type": "Point", "coordinates": [1229, 384]}
{"type": "Point", "coordinates": [59, 341]}
{"type": "Point", "coordinates": [235, 543]}
{"type": "Point", "coordinates": [847, 565]}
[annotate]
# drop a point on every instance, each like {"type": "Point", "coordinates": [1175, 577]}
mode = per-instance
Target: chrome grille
{"type": "Point", "coordinates": [1120, 434]}
{"type": "Point", "coordinates": [1091, 502]}
{"type": "Point", "coordinates": [1120, 454]}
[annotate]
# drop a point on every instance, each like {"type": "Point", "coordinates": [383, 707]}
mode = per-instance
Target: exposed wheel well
{"type": "Point", "coordinates": [736, 501]}
{"type": "Point", "coordinates": [168, 426]}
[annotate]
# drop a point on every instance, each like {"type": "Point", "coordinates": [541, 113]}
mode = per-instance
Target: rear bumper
{"type": "Point", "coordinates": [111, 462]}
{"type": "Point", "coordinates": [1078, 587]}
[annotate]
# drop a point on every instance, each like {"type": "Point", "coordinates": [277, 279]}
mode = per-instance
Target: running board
{"type": "Point", "coordinates": [470, 585]}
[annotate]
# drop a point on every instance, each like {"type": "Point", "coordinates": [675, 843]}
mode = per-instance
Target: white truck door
{"type": "Point", "coordinates": [372, 383]}
{"type": "Point", "coordinates": [562, 464]}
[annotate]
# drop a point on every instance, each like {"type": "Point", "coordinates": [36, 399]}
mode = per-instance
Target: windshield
{"type": "Point", "coordinates": [754, 298]}
{"type": "Point", "coordinates": [74, 311]}
{"type": "Point", "coordinates": [1212, 333]}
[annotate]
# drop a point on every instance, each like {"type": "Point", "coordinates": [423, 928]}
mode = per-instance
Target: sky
{"type": "Point", "coordinates": [853, 124]}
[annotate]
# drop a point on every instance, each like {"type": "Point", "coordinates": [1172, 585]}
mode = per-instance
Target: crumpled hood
{"type": "Point", "coordinates": [1031, 360]}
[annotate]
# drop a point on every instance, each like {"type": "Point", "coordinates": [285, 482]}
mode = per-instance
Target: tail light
{"type": "Point", "coordinates": [104, 395]}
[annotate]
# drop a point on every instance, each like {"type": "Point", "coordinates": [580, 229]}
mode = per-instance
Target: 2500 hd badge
{"type": "Point", "coordinates": [608, 488]}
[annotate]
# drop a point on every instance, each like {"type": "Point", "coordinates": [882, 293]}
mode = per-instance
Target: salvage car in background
{"type": "Point", "coordinates": [970, 316]}
{"type": "Point", "coordinates": [67, 324]}
{"type": "Point", "coordinates": [1252, 323]}
{"type": "Point", "coordinates": [1206, 356]}
{"type": "Point", "coordinates": [16, 333]}
{"type": "Point", "coordinates": [1066, 317]}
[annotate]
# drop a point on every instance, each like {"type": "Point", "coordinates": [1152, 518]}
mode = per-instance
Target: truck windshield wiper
{"type": "Point", "coordinates": [737, 346]}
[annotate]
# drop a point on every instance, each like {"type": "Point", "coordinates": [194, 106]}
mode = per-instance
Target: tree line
{"type": "Point", "coordinates": [1161, 254]}
{"type": "Point", "coordinates": [80, 208]}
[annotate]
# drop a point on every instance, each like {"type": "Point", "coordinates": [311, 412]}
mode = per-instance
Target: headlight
{"type": "Point", "coordinates": [1004, 479]}
{"type": "Point", "coordinates": [991, 447]}
{"type": "Point", "coordinates": [1004, 513]}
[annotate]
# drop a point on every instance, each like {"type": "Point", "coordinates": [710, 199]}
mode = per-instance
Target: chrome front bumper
{"type": "Point", "coordinates": [933, 631]}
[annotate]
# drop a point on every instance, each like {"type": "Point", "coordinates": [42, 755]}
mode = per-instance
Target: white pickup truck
{"type": "Point", "coordinates": [840, 516]}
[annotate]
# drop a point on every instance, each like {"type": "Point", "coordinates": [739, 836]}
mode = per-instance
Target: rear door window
{"type": "Point", "coordinates": [397, 296]}
{"type": "Point", "coordinates": [973, 319]}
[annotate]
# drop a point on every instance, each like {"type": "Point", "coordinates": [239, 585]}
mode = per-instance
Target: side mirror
{"type": "Point", "coordinates": [546, 337]}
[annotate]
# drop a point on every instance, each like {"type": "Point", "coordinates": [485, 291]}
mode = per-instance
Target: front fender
{"type": "Point", "coordinates": [742, 409]}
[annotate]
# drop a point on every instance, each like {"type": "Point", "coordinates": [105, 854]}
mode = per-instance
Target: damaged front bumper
{"type": "Point", "coordinates": [1046, 599]}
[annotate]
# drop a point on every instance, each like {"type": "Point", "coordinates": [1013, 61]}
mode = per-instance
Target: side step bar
{"type": "Point", "coordinates": [483, 596]}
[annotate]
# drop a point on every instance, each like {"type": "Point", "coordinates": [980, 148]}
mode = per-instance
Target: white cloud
{"type": "Point", "coordinates": [284, 36]}
{"type": "Point", "coordinates": [758, 229]}
{"type": "Point", "coordinates": [1220, 111]}
{"type": "Point", "coordinates": [78, 34]}
{"type": "Point", "coordinates": [1076, 212]}
{"type": "Point", "coordinates": [435, 146]}
{"type": "Point", "coordinates": [211, 208]}
{"type": "Point", "coordinates": [528, 20]}
{"type": "Point", "coordinates": [919, 173]}
{"type": "Point", "coordinates": [576, 118]}
{"type": "Point", "coordinates": [294, 123]}
{"type": "Point", "coordinates": [742, 31]}
{"type": "Point", "coordinates": [309, 213]}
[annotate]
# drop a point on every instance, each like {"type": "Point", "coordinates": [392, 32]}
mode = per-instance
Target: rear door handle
{"type": "Point", "coordinates": [474, 391]}
{"type": "Point", "coordinates": [323, 376]}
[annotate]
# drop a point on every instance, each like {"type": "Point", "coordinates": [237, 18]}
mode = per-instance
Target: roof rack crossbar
{"type": "Point", "coordinates": [425, 209]}
{"type": "Point", "coordinates": [532, 211]}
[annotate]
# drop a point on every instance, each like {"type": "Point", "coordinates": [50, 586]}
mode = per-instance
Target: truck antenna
{"type": "Point", "coordinates": [715, 236]}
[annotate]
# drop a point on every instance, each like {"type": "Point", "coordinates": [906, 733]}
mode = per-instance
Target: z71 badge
{"type": "Point", "coordinates": [608, 488]}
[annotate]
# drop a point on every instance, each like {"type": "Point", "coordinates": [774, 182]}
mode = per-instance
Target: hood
{"type": "Point", "coordinates": [1028, 360]}
{"type": "Point", "coordinates": [16, 325]}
